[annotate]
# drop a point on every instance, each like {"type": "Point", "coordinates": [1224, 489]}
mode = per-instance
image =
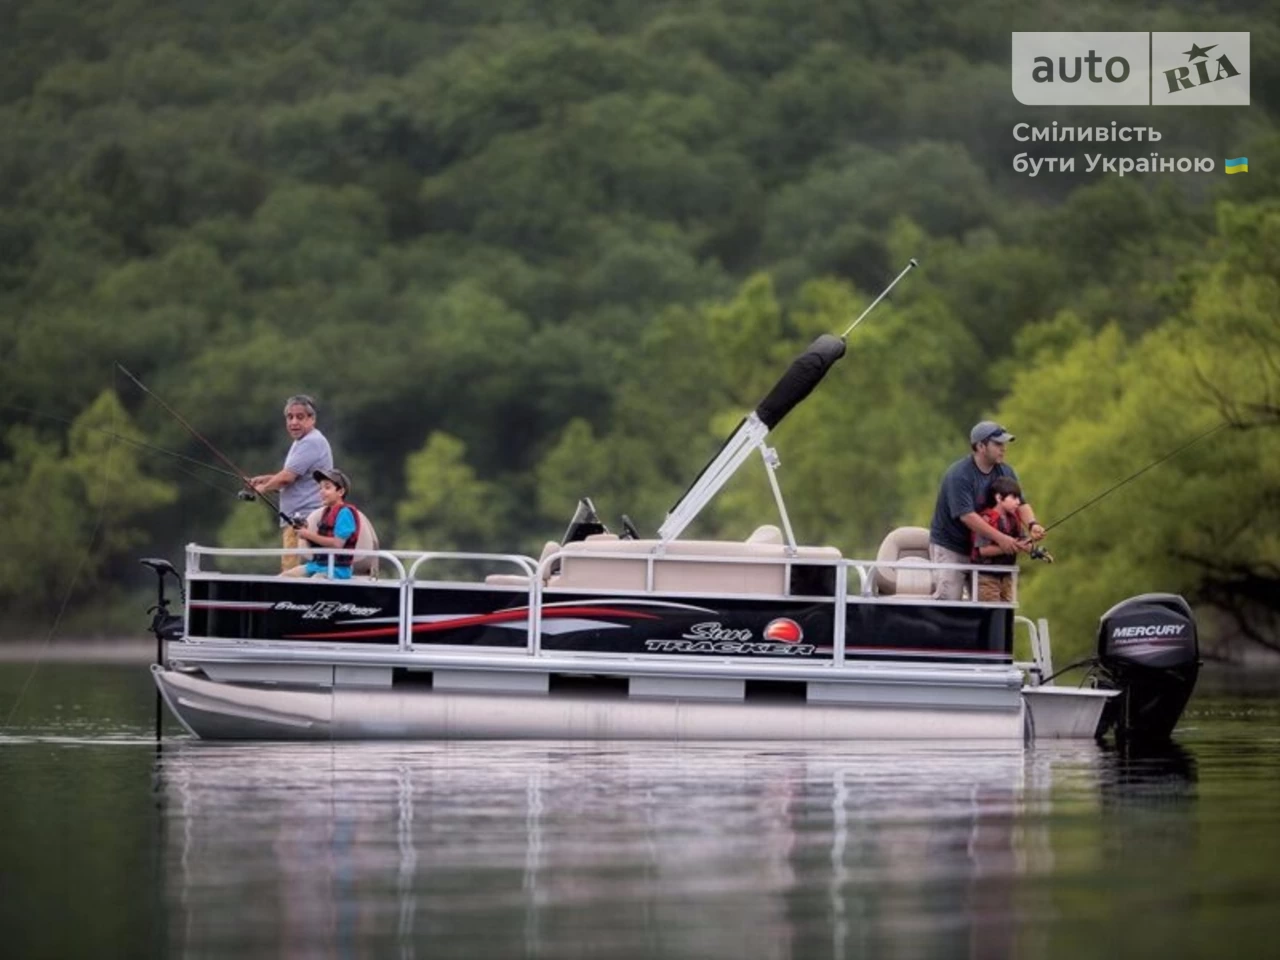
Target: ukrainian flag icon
{"type": "Point", "coordinates": [1238, 165]}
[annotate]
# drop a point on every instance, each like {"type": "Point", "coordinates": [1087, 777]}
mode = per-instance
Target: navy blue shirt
{"type": "Point", "coordinates": [965, 489]}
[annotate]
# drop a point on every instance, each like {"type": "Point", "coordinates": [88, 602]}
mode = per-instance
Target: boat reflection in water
{"type": "Point", "coordinates": [626, 849]}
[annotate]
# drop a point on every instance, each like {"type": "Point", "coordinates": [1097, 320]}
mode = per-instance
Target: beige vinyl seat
{"type": "Point", "coordinates": [519, 579]}
{"type": "Point", "coordinates": [604, 562]}
{"type": "Point", "coordinates": [908, 546]}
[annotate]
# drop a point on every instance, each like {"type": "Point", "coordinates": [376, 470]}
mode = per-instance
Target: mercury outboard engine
{"type": "Point", "coordinates": [1147, 649]}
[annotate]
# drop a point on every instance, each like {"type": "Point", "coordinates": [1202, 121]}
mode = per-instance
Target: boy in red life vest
{"type": "Point", "coordinates": [998, 587]}
{"type": "Point", "coordinates": [339, 528]}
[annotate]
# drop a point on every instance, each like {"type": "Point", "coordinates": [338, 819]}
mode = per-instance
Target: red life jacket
{"type": "Point", "coordinates": [1010, 526]}
{"type": "Point", "coordinates": [325, 529]}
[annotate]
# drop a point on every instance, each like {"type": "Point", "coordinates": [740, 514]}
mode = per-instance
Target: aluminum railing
{"type": "Point", "coordinates": [538, 572]}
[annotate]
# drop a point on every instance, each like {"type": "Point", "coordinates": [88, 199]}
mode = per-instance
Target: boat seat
{"type": "Point", "coordinates": [519, 579]}
{"type": "Point", "coordinates": [596, 563]}
{"type": "Point", "coordinates": [767, 533]}
{"type": "Point", "coordinates": [365, 565]}
{"type": "Point", "coordinates": [906, 545]}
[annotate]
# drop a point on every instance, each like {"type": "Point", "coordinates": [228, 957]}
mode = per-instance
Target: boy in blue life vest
{"type": "Point", "coordinates": [1003, 515]}
{"type": "Point", "coordinates": [339, 528]}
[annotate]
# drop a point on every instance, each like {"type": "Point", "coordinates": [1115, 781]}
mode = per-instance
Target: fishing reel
{"type": "Point", "coordinates": [246, 495]}
{"type": "Point", "coordinates": [1040, 553]}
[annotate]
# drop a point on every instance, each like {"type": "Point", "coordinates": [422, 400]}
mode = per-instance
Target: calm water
{"type": "Point", "coordinates": [112, 847]}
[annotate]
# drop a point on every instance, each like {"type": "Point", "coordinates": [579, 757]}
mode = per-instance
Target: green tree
{"type": "Point", "coordinates": [1202, 523]}
{"type": "Point", "coordinates": [82, 505]}
{"type": "Point", "coordinates": [446, 507]}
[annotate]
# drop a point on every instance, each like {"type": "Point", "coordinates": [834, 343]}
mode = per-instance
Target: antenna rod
{"type": "Point", "coordinates": [905, 270]}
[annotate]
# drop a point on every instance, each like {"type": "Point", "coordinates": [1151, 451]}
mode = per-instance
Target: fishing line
{"type": "Point", "coordinates": [243, 477]}
{"type": "Point", "coordinates": [129, 440]}
{"type": "Point", "coordinates": [1134, 476]}
{"type": "Point", "coordinates": [75, 578]}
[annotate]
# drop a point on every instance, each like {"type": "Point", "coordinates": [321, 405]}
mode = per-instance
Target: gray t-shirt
{"type": "Point", "coordinates": [965, 489]}
{"type": "Point", "coordinates": [308, 454]}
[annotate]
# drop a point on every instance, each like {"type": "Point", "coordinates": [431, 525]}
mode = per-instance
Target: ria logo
{"type": "Point", "coordinates": [1112, 69]}
{"type": "Point", "coordinates": [1180, 79]}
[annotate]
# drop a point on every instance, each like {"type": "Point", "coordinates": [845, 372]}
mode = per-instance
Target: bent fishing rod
{"type": "Point", "coordinates": [249, 488]}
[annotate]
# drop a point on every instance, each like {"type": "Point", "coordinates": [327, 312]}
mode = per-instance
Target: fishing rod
{"type": "Point", "coordinates": [249, 489]}
{"type": "Point", "coordinates": [131, 441]}
{"type": "Point", "coordinates": [1134, 476]}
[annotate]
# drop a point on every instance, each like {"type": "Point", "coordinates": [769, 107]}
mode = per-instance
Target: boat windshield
{"type": "Point", "coordinates": [585, 523]}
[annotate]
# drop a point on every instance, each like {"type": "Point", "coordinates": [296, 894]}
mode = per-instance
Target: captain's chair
{"type": "Point", "coordinates": [905, 545]}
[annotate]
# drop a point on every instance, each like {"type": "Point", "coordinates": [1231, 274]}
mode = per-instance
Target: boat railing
{"type": "Point", "coordinates": [867, 569]}
{"type": "Point", "coordinates": [527, 565]}
{"type": "Point", "coordinates": [537, 578]}
{"type": "Point", "coordinates": [864, 568]}
{"type": "Point", "coordinates": [407, 563]}
{"type": "Point", "coordinates": [195, 552]}
{"type": "Point", "coordinates": [1039, 669]}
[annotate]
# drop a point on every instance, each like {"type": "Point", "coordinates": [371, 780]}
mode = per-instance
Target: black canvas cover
{"type": "Point", "coordinates": [805, 373]}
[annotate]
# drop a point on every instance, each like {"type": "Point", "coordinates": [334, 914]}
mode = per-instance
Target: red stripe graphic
{"type": "Point", "coordinates": [935, 650]}
{"type": "Point", "coordinates": [502, 616]}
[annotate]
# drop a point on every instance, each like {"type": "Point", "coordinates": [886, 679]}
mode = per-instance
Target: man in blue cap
{"type": "Point", "coordinates": [963, 496]}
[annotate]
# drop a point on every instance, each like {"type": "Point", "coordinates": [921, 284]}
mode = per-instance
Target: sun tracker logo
{"type": "Point", "coordinates": [1111, 69]}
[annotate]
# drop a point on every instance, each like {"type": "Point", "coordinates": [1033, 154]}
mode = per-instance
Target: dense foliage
{"type": "Point", "coordinates": [526, 252]}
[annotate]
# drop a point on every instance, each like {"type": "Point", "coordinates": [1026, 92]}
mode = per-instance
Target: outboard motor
{"type": "Point", "coordinates": [1147, 648]}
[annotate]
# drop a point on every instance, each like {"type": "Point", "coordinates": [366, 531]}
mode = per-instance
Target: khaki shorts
{"type": "Point", "coordinates": [290, 560]}
{"type": "Point", "coordinates": [948, 584]}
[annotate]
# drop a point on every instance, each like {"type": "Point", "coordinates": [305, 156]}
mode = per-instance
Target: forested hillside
{"type": "Point", "coordinates": [524, 252]}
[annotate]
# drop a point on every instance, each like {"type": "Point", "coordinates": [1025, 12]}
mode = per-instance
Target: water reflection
{"type": "Point", "coordinates": [626, 850]}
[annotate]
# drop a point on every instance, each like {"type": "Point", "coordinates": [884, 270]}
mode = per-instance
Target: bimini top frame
{"type": "Point", "coordinates": [805, 373]}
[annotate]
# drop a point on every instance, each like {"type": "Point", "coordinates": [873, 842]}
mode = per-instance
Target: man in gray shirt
{"type": "Point", "coordinates": [963, 496]}
{"type": "Point", "coordinates": [299, 492]}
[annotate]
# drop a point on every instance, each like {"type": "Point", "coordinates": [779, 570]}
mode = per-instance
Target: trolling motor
{"type": "Point", "coordinates": [165, 625]}
{"type": "Point", "coordinates": [1147, 649]}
